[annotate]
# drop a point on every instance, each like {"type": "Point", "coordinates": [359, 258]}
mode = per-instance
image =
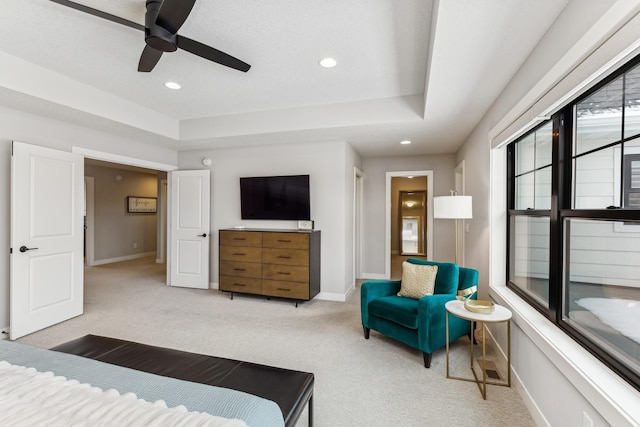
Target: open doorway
{"type": "Point", "coordinates": [409, 219]}
{"type": "Point", "coordinates": [115, 232]}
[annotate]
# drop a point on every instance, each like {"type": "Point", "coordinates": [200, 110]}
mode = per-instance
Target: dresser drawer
{"type": "Point", "coordinates": [278, 288]}
{"type": "Point", "coordinates": [240, 254]}
{"type": "Point", "coordinates": [286, 240]}
{"type": "Point", "coordinates": [241, 269]}
{"type": "Point", "coordinates": [285, 256]}
{"type": "Point", "coordinates": [240, 284]}
{"type": "Point", "coordinates": [289, 273]}
{"type": "Point", "coordinates": [240, 238]}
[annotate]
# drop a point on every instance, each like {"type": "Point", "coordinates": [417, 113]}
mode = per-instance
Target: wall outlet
{"type": "Point", "coordinates": [135, 246]}
{"type": "Point", "coordinates": [4, 333]}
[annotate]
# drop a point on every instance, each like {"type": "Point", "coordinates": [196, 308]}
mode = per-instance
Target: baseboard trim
{"type": "Point", "coordinates": [214, 285]}
{"type": "Point", "coordinates": [122, 258]}
{"type": "Point", "coordinates": [331, 296]}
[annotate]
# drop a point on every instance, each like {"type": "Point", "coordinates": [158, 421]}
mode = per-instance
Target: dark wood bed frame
{"type": "Point", "coordinates": [291, 390]}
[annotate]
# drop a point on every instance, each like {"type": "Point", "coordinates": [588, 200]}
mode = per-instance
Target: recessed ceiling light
{"type": "Point", "coordinates": [328, 62]}
{"type": "Point", "coordinates": [405, 142]}
{"type": "Point", "coordinates": [172, 85]}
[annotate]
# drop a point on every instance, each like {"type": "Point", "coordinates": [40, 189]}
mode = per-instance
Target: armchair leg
{"type": "Point", "coordinates": [427, 359]}
{"type": "Point", "coordinates": [366, 332]}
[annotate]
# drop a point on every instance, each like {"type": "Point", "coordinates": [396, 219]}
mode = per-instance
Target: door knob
{"type": "Point", "coordinates": [25, 249]}
{"type": "Point", "coordinates": [202, 235]}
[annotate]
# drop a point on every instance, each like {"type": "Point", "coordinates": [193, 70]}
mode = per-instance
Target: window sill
{"type": "Point", "coordinates": [609, 394]}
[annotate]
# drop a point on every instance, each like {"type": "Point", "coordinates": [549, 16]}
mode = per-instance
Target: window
{"type": "Point", "coordinates": [631, 181]}
{"type": "Point", "coordinates": [530, 216]}
{"type": "Point", "coordinates": [573, 220]}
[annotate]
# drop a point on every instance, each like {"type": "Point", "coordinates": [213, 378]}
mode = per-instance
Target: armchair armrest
{"type": "Point", "coordinates": [373, 289]}
{"type": "Point", "coordinates": [431, 309]}
{"type": "Point", "coordinates": [431, 318]}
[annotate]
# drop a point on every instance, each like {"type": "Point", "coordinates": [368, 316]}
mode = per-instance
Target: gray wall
{"type": "Point", "coordinates": [374, 195]}
{"type": "Point", "coordinates": [548, 377]}
{"type": "Point", "coordinates": [330, 166]}
{"type": "Point", "coordinates": [116, 230]}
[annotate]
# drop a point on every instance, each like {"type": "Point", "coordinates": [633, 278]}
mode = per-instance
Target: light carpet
{"type": "Point", "coordinates": [375, 383]}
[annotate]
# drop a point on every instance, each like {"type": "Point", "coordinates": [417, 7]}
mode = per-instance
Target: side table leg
{"type": "Point", "coordinates": [509, 352]}
{"type": "Point", "coordinates": [484, 358]}
{"type": "Point", "coordinates": [446, 328]}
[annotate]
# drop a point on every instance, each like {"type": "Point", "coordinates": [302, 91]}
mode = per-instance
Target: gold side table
{"type": "Point", "coordinates": [500, 314]}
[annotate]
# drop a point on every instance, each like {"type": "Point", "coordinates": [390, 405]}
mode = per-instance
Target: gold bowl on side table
{"type": "Point", "coordinates": [479, 306]}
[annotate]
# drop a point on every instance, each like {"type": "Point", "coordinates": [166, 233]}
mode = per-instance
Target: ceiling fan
{"type": "Point", "coordinates": [162, 20]}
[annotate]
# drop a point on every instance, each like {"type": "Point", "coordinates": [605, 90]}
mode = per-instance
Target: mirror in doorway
{"type": "Point", "coordinates": [412, 217]}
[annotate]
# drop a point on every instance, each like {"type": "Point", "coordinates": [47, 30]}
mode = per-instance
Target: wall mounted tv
{"type": "Point", "coordinates": [275, 197]}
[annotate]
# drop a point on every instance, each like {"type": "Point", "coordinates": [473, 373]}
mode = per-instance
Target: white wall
{"type": "Point", "coordinates": [557, 378]}
{"type": "Point", "coordinates": [374, 194]}
{"type": "Point", "coordinates": [352, 160]}
{"type": "Point", "coordinates": [37, 130]}
{"type": "Point", "coordinates": [330, 167]}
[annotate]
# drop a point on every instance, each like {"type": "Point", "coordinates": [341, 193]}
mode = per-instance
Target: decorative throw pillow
{"type": "Point", "coordinates": [417, 280]}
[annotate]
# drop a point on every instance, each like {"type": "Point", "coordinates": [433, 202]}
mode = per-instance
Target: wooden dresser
{"type": "Point", "coordinates": [278, 263]}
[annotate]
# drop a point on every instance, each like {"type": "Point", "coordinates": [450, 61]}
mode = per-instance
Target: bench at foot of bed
{"type": "Point", "coordinates": [290, 389]}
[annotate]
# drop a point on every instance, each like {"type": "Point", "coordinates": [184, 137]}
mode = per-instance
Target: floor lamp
{"type": "Point", "coordinates": [452, 207]}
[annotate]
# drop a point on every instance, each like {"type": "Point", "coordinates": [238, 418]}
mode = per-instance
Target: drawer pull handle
{"type": "Point", "coordinates": [284, 257]}
{"type": "Point", "coordinates": [284, 241]}
{"type": "Point", "coordinates": [286, 273]}
{"type": "Point", "coordinates": [239, 238]}
{"type": "Point", "coordinates": [238, 254]}
{"type": "Point", "coordinates": [239, 284]}
{"type": "Point", "coordinates": [239, 269]}
{"type": "Point", "coordinates": [284, 289]}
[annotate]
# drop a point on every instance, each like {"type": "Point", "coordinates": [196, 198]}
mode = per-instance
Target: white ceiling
{"type": "Point", "coordinates": [422, 70]}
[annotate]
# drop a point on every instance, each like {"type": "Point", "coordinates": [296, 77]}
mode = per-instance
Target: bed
{"type": "Point", "coordinates": [260, 395]}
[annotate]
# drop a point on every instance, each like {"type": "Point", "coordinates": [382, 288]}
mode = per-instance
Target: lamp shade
{"type": "Point", "coordinates": [452, 207]}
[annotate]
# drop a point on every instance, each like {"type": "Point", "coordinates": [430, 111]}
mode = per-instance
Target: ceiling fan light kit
{"type": "Point", "coordinates": [162, 20]}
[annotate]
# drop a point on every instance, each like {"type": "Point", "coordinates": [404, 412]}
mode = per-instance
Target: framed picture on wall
{"type": "Point", "coordinates": [137, 204]}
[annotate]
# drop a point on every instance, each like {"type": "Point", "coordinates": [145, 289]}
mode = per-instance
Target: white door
{"type": "Point", "coordinates": [189, 228]}
{"type": "Point", "coordinates": [46, 237]}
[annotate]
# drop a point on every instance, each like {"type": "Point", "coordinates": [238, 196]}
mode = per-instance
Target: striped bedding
{"type": "Point", "coordinates": [32, 398]}
{"type": "Point", "coordinates": [220, 402]}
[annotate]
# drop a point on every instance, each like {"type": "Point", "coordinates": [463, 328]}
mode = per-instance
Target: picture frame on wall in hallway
{"type": "Point", "coordinates": [137, 204]}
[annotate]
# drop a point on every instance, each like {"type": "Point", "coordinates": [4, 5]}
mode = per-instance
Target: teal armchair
{"type": "Point", "coordinates": [418, 323]}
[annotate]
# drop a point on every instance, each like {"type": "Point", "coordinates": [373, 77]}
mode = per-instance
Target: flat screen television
{"type": "Point", "coordinates": [275, 197]}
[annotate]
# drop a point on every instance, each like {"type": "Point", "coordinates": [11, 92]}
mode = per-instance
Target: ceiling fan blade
{"type": "Point", "coordinates": [99, 13]}
{"type": "Point", "coordinates": [173, 13]}
{"type": "Point", "coordinates": [215, 55]}
{"type": "Point", "coordinates": [149, 59]}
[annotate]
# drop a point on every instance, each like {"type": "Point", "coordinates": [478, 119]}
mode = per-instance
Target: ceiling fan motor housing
{"type": "Point", "coordinates": [156, 36]}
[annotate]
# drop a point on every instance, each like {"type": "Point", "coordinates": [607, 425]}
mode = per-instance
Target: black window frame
{"type": "Point", "coordinates": [562, 210]}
